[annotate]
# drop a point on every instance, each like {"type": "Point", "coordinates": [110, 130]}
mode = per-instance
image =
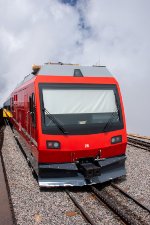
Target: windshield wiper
{"type": "Point", "coordinates": [54, 120]}
{"type": "Point", "coordinates": [109, 122]}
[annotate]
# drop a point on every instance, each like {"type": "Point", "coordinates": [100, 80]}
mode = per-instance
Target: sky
{"type": "Point", "coordinates": [103, 32]}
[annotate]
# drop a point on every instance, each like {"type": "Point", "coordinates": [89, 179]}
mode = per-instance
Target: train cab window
{"type": "Point", "coordinates": [80, 108]}
{"type": "Point", "coordinates": [32, 109]}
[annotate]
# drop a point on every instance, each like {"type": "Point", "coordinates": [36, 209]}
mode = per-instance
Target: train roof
{"type": "Point", "coordinates": [69, 70]}
{"type": "Point", "coordinates": [60, 69]}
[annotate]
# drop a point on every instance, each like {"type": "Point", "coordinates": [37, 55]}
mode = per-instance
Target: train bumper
{"type": "Point", "coordinates": [68, 174]}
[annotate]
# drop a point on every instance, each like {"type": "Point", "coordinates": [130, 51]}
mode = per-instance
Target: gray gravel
{"type": "Point", "coordinates": [97, 210]}
{"type": "Point", "coordinates": [139, 215]}
{"type": "Point", "coordinates": [30, 205]}
{"type": "Point", "coordinates": [137, 182]}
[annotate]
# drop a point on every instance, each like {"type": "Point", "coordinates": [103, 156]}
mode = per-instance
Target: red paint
{"type": "Point", "coordinates": [72, 146]}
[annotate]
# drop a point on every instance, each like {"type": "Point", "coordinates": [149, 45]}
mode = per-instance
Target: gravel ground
{"type": "Point", "coordinates": [140, 215]}
{"type": "Point", "coordinates": [97, 210]}
{"type": "Point", "coordinates": [137, 182]}
{"type": "Point", "coordinates": [30, 205]}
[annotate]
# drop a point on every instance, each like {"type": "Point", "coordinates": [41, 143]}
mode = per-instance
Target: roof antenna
{"type": "Point", "coordinates": [97, 63]}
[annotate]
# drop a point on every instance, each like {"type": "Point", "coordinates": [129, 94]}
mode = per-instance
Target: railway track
{"type": "Point", "coordinates": [86, 216]}
{"type": "Point", "coordinates": [124, 205]}
{"type": "Point", "coordinates": [7, 216]}
{"type": "Point", "coordinates": [120, 208]}
{"type": "Point", "coordinates": [139, 143]}
{"type": "Point", "coordinates": [140, 137]}
{"type": "Point", "coordinates": [110, 197]}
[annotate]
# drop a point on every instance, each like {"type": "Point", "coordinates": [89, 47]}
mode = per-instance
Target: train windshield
{"type": "Point", "coordinates": [80, 109]}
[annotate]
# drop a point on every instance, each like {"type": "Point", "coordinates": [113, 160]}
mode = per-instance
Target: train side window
{"type": "Point", "coordinates": [32, 109]}
{"type": "Point", "coordinates": [30, 104]}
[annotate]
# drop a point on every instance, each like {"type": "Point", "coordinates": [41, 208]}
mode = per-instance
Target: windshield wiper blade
{"type": "Point", "coordinates": [54, 120]}
{"type": "Point", "coordinates": [109, 122]}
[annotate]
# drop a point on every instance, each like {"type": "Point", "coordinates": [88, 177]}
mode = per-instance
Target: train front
{"type": "Point", "coordinates": [82, 131]}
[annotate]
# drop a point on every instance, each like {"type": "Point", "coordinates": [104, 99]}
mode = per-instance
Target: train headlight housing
{"type": "Point", "coordinates": [53, 144]}
{"type": "Point", "coordinates": [116, 139]}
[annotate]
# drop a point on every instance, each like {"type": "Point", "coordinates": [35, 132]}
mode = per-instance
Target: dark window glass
{"type": "Point", "coordinates": [32, 109]}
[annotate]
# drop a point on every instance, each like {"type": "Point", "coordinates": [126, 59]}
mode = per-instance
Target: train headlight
{"type": "Point", "coordinates": [53, 144]}
{"type": "Point", "coordinates": [116, 139]}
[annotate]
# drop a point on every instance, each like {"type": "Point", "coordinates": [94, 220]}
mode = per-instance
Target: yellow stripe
{"type": "Point", "coordinates": [7, 113]}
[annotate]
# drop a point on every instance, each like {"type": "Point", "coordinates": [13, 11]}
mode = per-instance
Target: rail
{"type": "Point", "coordinates": [122, 211]}
{"type": "Point", "coordinates": [107, 199]}
{"type": "Point", "coordinates": [130, 197]}
{"type": "Point", "coordinates": [139, 143]}
{"type": "Point", "coordinates": [81, 209]}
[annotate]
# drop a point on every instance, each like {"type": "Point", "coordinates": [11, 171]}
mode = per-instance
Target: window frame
{"type": "Point", "coordinates": [68, 86]}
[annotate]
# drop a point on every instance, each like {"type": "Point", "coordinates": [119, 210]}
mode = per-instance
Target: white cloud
{"type": "Point", "coordinates": [120, 37]}
{"type": "Point", "coordinates": [116, 33]}
{"type": "Point", "coordinates": [34, 32]}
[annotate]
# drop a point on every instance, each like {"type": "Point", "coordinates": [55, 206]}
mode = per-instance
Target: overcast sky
{"type": "Point", "coordinates": [112, 33]}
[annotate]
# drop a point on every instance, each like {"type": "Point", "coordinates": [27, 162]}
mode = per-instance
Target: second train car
{"type": "Point", "coordinates": [71, 120]}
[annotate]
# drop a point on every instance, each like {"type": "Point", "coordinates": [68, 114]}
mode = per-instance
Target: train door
{"type": "Point", "coordinates": [26, 111]}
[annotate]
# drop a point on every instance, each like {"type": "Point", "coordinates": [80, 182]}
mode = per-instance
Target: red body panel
{"type": "Point", "coordinates": [73, 147]}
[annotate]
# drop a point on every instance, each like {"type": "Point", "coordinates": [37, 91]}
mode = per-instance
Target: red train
{"type": "Point", "coordinates": [70, 120]}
